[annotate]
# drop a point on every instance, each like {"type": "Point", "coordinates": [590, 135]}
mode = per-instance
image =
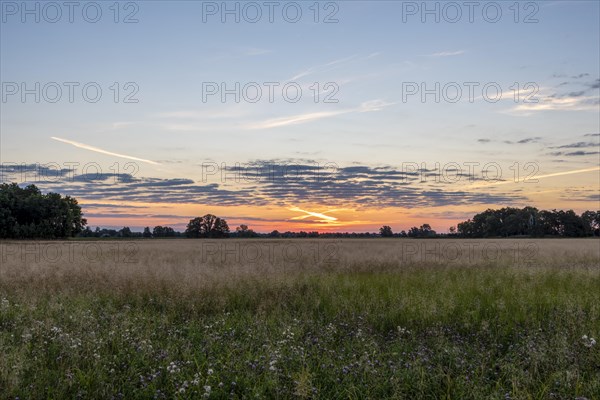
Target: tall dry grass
{"type": "Point", "coordinates": [372, 319]}
{"type": "Point", "coordinates": [190, 265]}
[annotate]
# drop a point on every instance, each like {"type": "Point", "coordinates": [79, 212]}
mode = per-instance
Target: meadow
{"type": "Point", "coordinates": [300, 318]}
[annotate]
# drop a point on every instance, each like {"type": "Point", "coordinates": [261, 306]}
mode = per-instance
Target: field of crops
{"type": "Point", "coordinates": [327, 319]}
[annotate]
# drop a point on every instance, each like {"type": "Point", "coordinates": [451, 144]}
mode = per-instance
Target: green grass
{"type": "Point", "coordinates": [423, 332]}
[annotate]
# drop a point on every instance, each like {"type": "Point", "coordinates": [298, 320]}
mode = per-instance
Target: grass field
{"type": "Point", "coordinates": [327, 319]}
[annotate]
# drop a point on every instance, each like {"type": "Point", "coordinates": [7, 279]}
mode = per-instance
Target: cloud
{"type": "Point", "coordinates": [530, 140]}
{"type": "Point", "coordinates": [576, 145]}
{"type": "Point", "coordinates": [290, 186]}
{"type": "Point", "coordinates": [107, 205]}
{"type": "Point", "coordinates": [580, 194]}
{"type": "Point", "coordinates": [582, 103]}
{"type": "Point", "coordinates": [447, 53]}
{"type": "Point", "coordinates": [535, 139]}
{"type": "Point", "coordinates": [575, 99]}
{"type": "Point", "coordinates": [253, 51]}
{"type": "Point", "coordinates": [576, 153]}
{"type": "Point", "coordinates": [595, 84]}
{"type": "Point", "coordinates": [583, 153]}
{"type": "Point", "coordinates": [562, 173]}
{"type": "Point", "coordinates": [329, 66]}
{"type": "Point", "coordinates": [321, 216]}
{"type": "Point", "coordinates": [99, 150]}
{"type": "Point", "coordinates": [374, 105]}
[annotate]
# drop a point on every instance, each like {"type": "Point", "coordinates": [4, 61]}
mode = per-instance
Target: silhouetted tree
{"type": "Point", "coordinates": [591, 221]}
{"type": "Point", "coordinates": [163, 231]}
{"type": "Point", "coordinates": [26, 213]}
{"type": "Point", "coordinates": [244, 232]}
{"type": "Point", "coordinates": [529, 221]}
{"type": "Point", "coordinates": [386, 231]}
{"type": "Point", "coordinates": [208, 226]}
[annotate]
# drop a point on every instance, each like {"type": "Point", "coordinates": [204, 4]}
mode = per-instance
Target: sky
{"type": "Point", "coordinates": [327, 116]}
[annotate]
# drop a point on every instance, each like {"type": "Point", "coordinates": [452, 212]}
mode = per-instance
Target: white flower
{"type": "Point", "coordinates": [402, 331]}
{"type": "Point", "coordinates": [172, 368]}
{"type": "Point", "coordinates": [210, 372]}
{"type": "Point", "coordinates": [588, 341]}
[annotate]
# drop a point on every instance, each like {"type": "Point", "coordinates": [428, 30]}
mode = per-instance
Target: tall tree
{"type": "Point", "coordinates": [208, 226]}
{"type": "Point", "coordinates": [26, 213]}
{"type": "Point", "coordinates": [386, 231]}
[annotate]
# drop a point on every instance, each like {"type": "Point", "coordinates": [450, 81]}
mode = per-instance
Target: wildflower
{"type": "Point", "coordinates": [402, 331]}
{"type": "Point", "coordinates": [196, 380]}
{"type": "Point", "coordinates": [588, 341]}
{"type": "Point", "coordinates": [210, 371]}
{"type": "Point", "coordinates": [172, 368]}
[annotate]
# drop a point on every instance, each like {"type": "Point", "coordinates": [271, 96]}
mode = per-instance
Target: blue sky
{"type": "Point", "coordinates": [370, 55]}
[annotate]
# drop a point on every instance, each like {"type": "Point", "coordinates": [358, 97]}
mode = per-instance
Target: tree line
{"type": "Point", "coordinates": [529, 221]}
{"type": "Point", "coordinates": [26, 213]}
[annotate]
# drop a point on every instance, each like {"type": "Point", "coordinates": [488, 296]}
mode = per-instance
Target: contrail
{"type": "Point", "coordinates": [314, 214]}
{"type": "Point", "coordinates": [98, 150]}
{"type": "Point", "coordinates": [368, 106]}
{"type": "Point", "coordinates": [576, 171]}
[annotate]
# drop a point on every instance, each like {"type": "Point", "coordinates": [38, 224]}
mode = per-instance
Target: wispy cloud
{"type": "Point", "coordinates": [253, 51]}
{"type": "Point", "coordinates": [447, 53]}
{"type": "Point", "coordinates": [369, 106]}
{"type": "Point", "coordinates": [331, 65]}
{"type": "Point", "coordinates": [102, 151]}
{"type": "Point", "coordinates": [322, 216]}
{"type": "Point", "coordinates": [355, 188]}
{"type": "Point", "coordinates": [321, 68]}
{"type": "Point", "coordinates": [507, 182]}
{"type": "Point", "coordinates": [577, 103]}
{"type": "Point", "coordinates": [577, 145]}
